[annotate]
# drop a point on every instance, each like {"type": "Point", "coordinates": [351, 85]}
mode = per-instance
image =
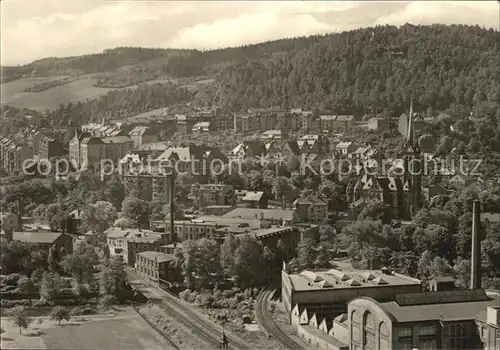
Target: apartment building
{"type": "Point", "coordinates": [13, 155]}
{"type": "Point", "coordinates": [312, 209]}
{"type": "Point", "coordinates": [213, 194]}
{"type": "Point", "coordinates": [141, 135]}
{"type": "Point", "coordinates": [335, 123]}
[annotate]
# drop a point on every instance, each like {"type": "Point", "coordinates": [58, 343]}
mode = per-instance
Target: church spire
{"type": "Point", "coordinates": [410, 127]}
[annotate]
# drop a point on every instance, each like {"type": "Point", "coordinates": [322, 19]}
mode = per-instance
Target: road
{"type": "Point", "coordinates": [202, 326]}
{"type": "Point", "coordinates": [265, 320]}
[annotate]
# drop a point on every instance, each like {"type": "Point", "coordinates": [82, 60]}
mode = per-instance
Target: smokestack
{"type": "Point", "coordinates": [20, 212]}
{"type": "Point", "coordinates": [475, 276]}
{"type": "Point", "coordinates": [283, 203]}
{"type": "Point", "coordinates": [172, 208]}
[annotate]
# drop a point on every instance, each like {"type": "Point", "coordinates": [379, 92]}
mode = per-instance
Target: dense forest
{"type": "Point", "coordinates": [453, 68]}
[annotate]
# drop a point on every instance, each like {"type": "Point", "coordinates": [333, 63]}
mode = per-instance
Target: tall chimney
{"type": "Point", "coordinates": [172, 208]}
{"type": "Point", "coordinates": [475, 276]}
{"type": "Point", "coordinates": [20, 212]}
{"type": "Point", "coordinates": [283, 202]}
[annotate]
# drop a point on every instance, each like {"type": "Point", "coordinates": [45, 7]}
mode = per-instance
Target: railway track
{"type": "Point", "coordinates": [266, 321]}
{"type": "Point", "coordinates": [201, 326]}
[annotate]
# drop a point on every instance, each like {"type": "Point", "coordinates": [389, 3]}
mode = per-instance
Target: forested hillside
{"type": "Point", "coordinates": [442, 67]}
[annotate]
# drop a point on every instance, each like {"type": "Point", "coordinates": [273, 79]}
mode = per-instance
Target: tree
{"type": "Point", "coordinates": [228, 250]}
{"type": "Point", "coordinates": [80, 263]}
{"type": "Point", "coordinates": [50, 286]}
{"type": "Point", "coordinates": [202, 264]}
{"type": "Point", "coordinates": [27, 286]}
{"type": "Point", "coordinates": [112, 278]}
{"type": "Point", "coordinates": [137, 211]}
{"type": "Point", "coordinates": [306, 254]}
{"type": "Point", "coordinates": [60, 313]}
{"type": "Point", "coordinates": [19, 318]}
{"type": "Point", "coordinates": [249, 264]}
{"type": "Point", "coordinates": [99, 217]}
{"type": "Point", "coordinates": [54, 259]}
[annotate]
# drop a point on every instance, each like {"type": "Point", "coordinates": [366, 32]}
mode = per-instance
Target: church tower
{"type": "Point", "coordinates": [412, 165]}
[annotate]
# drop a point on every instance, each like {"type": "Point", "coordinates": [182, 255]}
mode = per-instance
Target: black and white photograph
{"type": "Point", "coordinates": [275, 175]}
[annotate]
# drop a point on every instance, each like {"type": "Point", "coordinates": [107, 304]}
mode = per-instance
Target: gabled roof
{"type": "Point", "coordinates": [37, 237]}
{"type": "Point", "coordinates": [266, 214]}
{"type": "Point", "coordinates": [343, 145]}
{"type": "Point", "coordinates": [293, 146]}
{"type": "Point", "coordinates": [141, 130]}
{"type": "Point", "coordinates": [312, 200]}
{"type": "Point", "coordinates": [253, 196]}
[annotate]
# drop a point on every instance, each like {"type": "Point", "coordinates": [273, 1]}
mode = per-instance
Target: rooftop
{"type": "Point", "coordinates": [466, 308]}
{"type": "Point", "coordinates": [37, 237]}
{"type": "Point", "coordinates": [158, 256]}
{"type": "Point", "coordinates": [346, 277]}
{"type": "Point", "coordinates": [266, 214]}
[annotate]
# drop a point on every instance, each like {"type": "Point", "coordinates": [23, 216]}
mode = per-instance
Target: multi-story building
{"type": "Point", "coordinates": [49, 148]}
{"type": "Point", "coordinates": [311, 209]}
{"type": "Point", "coordinates": [335, 123]}
{"type": "Point", "coordinates": [142, 241]}
{"type": "Point", "coordinates": [141, 135]}
{"type": "Point", "coordinates": [13, 155]}
{"type": "Point", "coordinates": [214, 194]}
{"type": "Point", "coordinates": [156, 266]}
{"type": "Point", "coordinates": [252, 199]}
{"type": "Point", "coordinates": [435, 320]}
{"type": "Point", "coordinates": [95, 149]}
{"type": "Point", "coordinates": [378, 124]}
{"type": "Point", "coordinates": [75, 149]}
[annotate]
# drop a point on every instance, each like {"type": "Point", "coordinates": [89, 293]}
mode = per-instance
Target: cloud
{"type": "Point", "coordinates": [483, 13]}
{"type": "Point", "coordinates": [246, 29]}
{"type": "Point", "coordinates": [32, 30]}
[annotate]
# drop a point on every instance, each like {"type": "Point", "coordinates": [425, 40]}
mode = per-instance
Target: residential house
{"type": "Point", "coordinates": [335, 123]}
{"type": "Point", "coordinates": [141, 135]}
{"type": "Point", "coordinates": [378, 124]}
{"type": "Point", "coordinates": [194, 160]}
{"type": "Point", "coordinates": [312, 209]}
{"type": "Point", "coordinates": [345, 148]}
{"type": "Point", "coordinates": [254, 199]}
{"type": "Point", "coordinates": [201, 127]}
{"type": "Point", "coordinates": [273, 135]}
{"type": "Point", "coordinates": [117, 239]}
{"type": "Point", "coordinates": [213, 194]}
{"type": "Point", "coordinates": [249, 149]}
{"type": "Point", "coordinates": [461, 181]}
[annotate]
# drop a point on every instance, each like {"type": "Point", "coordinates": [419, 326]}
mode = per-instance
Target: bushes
{"type": "Point", "coordinates": [60, 313]}
{"type": "Point", "coordinates": [12, 279]}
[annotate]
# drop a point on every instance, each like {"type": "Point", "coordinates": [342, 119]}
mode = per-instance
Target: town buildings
{"type": "Point", "coordinates": [158, 267]}
{"type": "Point", "coordinates": [44, 240]}
{"type": "Point", "coordinates": [141, 135]}
{"type": "Point", "coordinates": [213, 194]}
{"type": "Point", "coordinates": [466, 319]}
{"type": "Point", "coordinates": [312, 209]}
{"type": "Point", "coordinates": [327, 292]}
{"type": "Point", "coordinates": [13, 155]}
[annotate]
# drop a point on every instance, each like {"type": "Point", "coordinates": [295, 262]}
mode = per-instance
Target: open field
{"type": "Point", "coordinates": [13, 93]}
{"type": "Point", "coordinates": [125, 330]}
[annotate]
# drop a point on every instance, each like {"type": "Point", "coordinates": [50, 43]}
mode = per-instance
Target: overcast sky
{"type": "Point", "coordinates": [37, 29]}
